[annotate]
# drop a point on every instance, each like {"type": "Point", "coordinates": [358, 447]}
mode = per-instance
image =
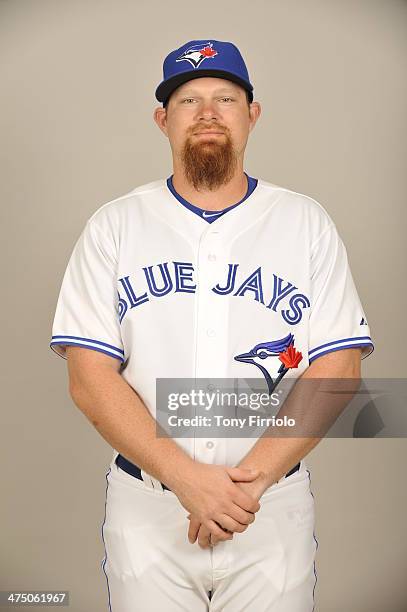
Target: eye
{"type": "Point", "coordinates": [186, 99]}
{"type": "Point", "coordinates": [263, 355]}
{"type": "Point", "coordinates": [227, 98]}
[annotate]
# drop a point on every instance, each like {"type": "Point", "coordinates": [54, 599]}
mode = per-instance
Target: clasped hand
{"type": "Point", "coordinates": [221, 500]}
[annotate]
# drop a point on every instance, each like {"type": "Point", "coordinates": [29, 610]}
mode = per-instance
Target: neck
{"type": "Point", "coordinates": [226, 195]}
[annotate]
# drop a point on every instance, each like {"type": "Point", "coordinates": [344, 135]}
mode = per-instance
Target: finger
{"type": "Point", "coordinates": [229, 524]}
{"type": "Point", "coordinates": [245, 501]}
{"type": "Point", "coordinates": [204, 537]}
{"type": "Point", "coordinates": [239, 515]}
{"type": "Point", "coordinates": [217, 531]}
{"type": "Point", "coordinates": [194, 525]}
{"type": "Point", "coordinates": [242, 474]}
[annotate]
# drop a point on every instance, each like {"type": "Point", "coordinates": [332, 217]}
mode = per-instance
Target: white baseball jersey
{"type": "Point", "coordinates": [176, 293]}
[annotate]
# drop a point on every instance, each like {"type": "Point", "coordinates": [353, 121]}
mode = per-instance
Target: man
{"type": "Point", "coordinates": [208, 274]}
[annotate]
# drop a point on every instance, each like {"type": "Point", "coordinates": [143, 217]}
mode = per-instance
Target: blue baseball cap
{"type": "Point", "coordinates": [200, 58]}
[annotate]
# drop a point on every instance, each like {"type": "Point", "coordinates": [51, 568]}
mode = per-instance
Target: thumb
{"type": "Point", "coordinates": [242, 474]}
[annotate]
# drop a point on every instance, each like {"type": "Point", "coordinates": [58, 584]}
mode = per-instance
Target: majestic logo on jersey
{"type": "Point", "coordinates": [159, 280]}
{"type": "Point", "coordinates": [197, 54]}
{"type": "Point", "coordinates": [273, 358]}
{"type": "Point", "coordinates": [363, 321]}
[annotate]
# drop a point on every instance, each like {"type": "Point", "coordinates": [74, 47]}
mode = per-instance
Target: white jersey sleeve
{"type": "Point", "coordinates": [87, 308]}
{"type": "Point", "coordinates": [337, 319]}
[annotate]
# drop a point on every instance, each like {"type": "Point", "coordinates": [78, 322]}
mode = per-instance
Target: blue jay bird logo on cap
{"type": "Point", "coordinates": [197, 54]}
{"type": "Point", "coordinates": [281, 355]}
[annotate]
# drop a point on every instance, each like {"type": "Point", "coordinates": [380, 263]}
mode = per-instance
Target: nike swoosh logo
{"type": "Point", "coordinates": [205, 214]}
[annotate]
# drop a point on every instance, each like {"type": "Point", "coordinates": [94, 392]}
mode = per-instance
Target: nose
{"type": "Point", "coordinates": [206, 111]}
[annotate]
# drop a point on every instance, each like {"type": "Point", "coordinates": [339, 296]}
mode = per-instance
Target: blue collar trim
{"type": "Point", "coordinates": [211, 215]}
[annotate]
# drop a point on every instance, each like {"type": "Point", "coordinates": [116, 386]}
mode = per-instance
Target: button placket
{"type": "Point", "coordinates": [210, 306]}
{"type": "Point", "coordinates": [211, 329]}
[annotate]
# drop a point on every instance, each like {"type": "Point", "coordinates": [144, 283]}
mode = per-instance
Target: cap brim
{"type": "Point", "coordinates": [165, 89]}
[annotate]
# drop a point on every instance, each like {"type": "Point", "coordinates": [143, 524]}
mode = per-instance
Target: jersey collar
{"type": "Point", "coordinates": [211, 215]}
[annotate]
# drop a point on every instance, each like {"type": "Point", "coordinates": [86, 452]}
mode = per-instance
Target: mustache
{"type": "Point", "coordinates": [208, 128]}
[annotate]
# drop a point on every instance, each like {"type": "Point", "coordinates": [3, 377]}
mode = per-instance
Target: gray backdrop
{"type": "Point", "coordinates": [78, 80]}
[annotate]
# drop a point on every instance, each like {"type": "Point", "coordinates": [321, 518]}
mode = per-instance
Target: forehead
{"type": "Point", "coordinates": [207, 85]}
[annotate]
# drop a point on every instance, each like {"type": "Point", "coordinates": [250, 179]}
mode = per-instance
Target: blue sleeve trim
{"type": "Point", "coordinates": [342, 340]}
{"type": "Point", "coordinates": [338, 345]}
{"type": "Point", "coordinates": [115, 348]}
{"type": "Point", "coordinates": [90, 344]}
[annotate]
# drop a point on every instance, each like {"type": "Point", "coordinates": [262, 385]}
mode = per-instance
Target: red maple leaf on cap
{"type": "Point", "coordinates": [291, 357]}
{"type": "Point", "coordinates": [208, 52]}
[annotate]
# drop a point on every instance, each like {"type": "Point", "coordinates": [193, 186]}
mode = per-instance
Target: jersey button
{"type": "Point", "coordinates": [212, 257]}
{"type": "Point", "coordinates": [210, 332]}
{"type": "Point", "coordinates": [209, 444]}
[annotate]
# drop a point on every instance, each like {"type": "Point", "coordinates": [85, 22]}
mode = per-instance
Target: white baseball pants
{"type": "Point", "coordinates": [151, 566]}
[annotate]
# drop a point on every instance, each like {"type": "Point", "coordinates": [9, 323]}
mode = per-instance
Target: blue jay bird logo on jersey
{"type": "Point", "coordinates": [281, 355]}
{"type": "Point", "coordinates": [197, 54]}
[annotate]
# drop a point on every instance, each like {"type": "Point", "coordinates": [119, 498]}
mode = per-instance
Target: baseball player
{"type": "Point", "coordinates": [209, 273]}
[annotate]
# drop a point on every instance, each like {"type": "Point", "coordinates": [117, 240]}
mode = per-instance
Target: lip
{"type": "Point", "coordinates": [196, 133]}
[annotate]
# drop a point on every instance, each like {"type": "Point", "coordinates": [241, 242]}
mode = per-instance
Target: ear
{"type": "Point", "coordinates": [255, 112]}
{"type": "Point", "coordinates": [160, 117]}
